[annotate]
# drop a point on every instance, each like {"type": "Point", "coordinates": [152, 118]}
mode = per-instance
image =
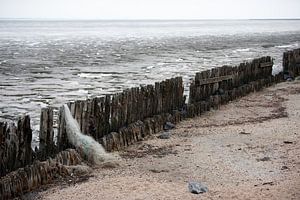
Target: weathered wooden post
{"type": "Point", "coordinates": [24, 134]}
{"type": "Point", "coordinates": [3, 148]}
{"type": "Point", "coordinates": [62, 138]}
{"type": "Point", "coordinates": [46, 133]}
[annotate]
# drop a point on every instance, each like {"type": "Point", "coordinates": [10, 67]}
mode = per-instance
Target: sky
{"type": "Point", "coordinates": [150, 9]}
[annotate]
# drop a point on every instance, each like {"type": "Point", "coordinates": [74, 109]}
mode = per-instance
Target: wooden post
{"type": "Point", "coordinates": [24, 133]}
{"type": "Point", "coordinates": [46, 133]}
{"type": "Point", "coordinates": [62, 138]}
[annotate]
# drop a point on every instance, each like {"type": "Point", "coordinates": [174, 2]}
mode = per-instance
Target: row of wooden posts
{"type": "Point", "coordinates": [98, 117]}
{"type": "Point", "coordinates": [226, 78]}
{"type": "Point", "coordinates": [121, 119]}
{"type": "Point", "coordinates": [32, 176]}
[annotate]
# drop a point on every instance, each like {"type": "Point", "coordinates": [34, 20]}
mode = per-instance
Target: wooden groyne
{"type": "Point", "coordinates": [291, 62]}
{"type": "Point", "coordinates": [119, 113]}
{"type": "Point", "coordinates": [226, 78]}
{"type": "Point", "coordinates": [32, 176]}
{"type": "Point", "coordinates": [211, 88]}
{"type": "Point", "coordinates": [119, 120]}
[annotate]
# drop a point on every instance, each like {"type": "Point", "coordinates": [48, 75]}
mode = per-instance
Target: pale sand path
{"type": "Point", "coordinates": [210, 149]}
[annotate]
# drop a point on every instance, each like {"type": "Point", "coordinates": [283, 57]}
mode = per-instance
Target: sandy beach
{"type": "Point", "coordinates": [248, 149]}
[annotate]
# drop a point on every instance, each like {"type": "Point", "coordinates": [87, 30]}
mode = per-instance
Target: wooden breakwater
{"type": "Point", "coordinates": [96, 117]}
{"type": "Point", "coordinates": [121, 119]}
{"type": "Point", "coordinates": [291, 63]}
{"type": "Point", "coordinates": [99, 117]}
{"type": "Point", "coordinates": [32, 176]}
{"type": "Point", "coordinates": [118, 115]}
{"type": "Point", "coordinates": [211, 88]}
{"type": "Point", "coordinates": [20, 167]}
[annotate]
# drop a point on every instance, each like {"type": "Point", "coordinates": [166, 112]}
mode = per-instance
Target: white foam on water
{"type": "Point", "coordinates": [150, 67]}
{"type": "Point", "coordinates": [91, 148]}
{"type": "Point", "coordinates": [93, 75]}
{"type": "Point", "coordinates": [179, 60]}
{"type": "Point", "coordinates": [241, 50]}
{"type": "Point", "coordinates": [287, 46]}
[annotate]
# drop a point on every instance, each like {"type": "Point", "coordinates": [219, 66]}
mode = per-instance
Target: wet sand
{"type": "Point", "coordinates": [248, 149]}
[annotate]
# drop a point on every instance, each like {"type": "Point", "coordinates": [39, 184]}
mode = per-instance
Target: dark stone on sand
{"type": "Point", "coordinates": [197, 188]}
{"type": "Point", "coordinates": [158, 170]}
{"type": "Point", "coordinates": [164, 135]}
{"type": "Point", "coordinates": [264, 159]}
{"type": "Point", "coordinates": [168, 126]}
{"type": "Point", "coordinates": [287, 75]}
{"type": "Point", "coordinates": [245, 133]}
{"type": "Point", "coordinates": [268, 183]}
{"type": "Point", "coordinates": [284, 167]}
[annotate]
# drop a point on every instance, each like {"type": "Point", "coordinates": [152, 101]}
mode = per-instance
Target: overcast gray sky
{"type": "Point", "coordinates": [149, 9]}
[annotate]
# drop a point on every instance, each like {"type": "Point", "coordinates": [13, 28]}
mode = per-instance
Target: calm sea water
{"type": "Point", "coordinates": [51, 62]}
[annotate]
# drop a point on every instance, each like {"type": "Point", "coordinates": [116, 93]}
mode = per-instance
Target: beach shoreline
{"type": "Point", "coordinates": [248, 149]}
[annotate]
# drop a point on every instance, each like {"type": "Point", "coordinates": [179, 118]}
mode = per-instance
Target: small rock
{"type": "Point", "coordinates": [164, 136]}
{"type": "Point", "coordinates": [289, 79]}
{"type": "Point", "coordinates": [297, 78]}
{"type": "Point", "coordinates": [221, 91]}
{"type": "Point", "coordinates": [268, 183]}
{"type": "Point", "coordinates": [168, 126]}
{"type": "Point", "coordinates": [284, 167]}
{"type": "Point", "coordinates": [244, 133]}
{"type": "Point", "coordinates": [158, 170]}
{"type": "Point", "coordinates": [264, 159]}
{"type": "Point", "coordinates": [287, 75]}
{"type": "Point", "coordinates": [197, 188]}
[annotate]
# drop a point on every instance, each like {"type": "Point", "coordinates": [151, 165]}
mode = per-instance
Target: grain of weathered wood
{"type": "Point", "coordinates": [15, 145]}
{"type": "Point", "coordinates": [215, 80]}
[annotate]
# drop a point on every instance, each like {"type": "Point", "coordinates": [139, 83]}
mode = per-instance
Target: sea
{"type": "Point", "coordinates": [48, 63]}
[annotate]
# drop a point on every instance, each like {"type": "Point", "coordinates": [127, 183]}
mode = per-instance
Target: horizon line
{"type": "Point", "coordinates": [138, 19]}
